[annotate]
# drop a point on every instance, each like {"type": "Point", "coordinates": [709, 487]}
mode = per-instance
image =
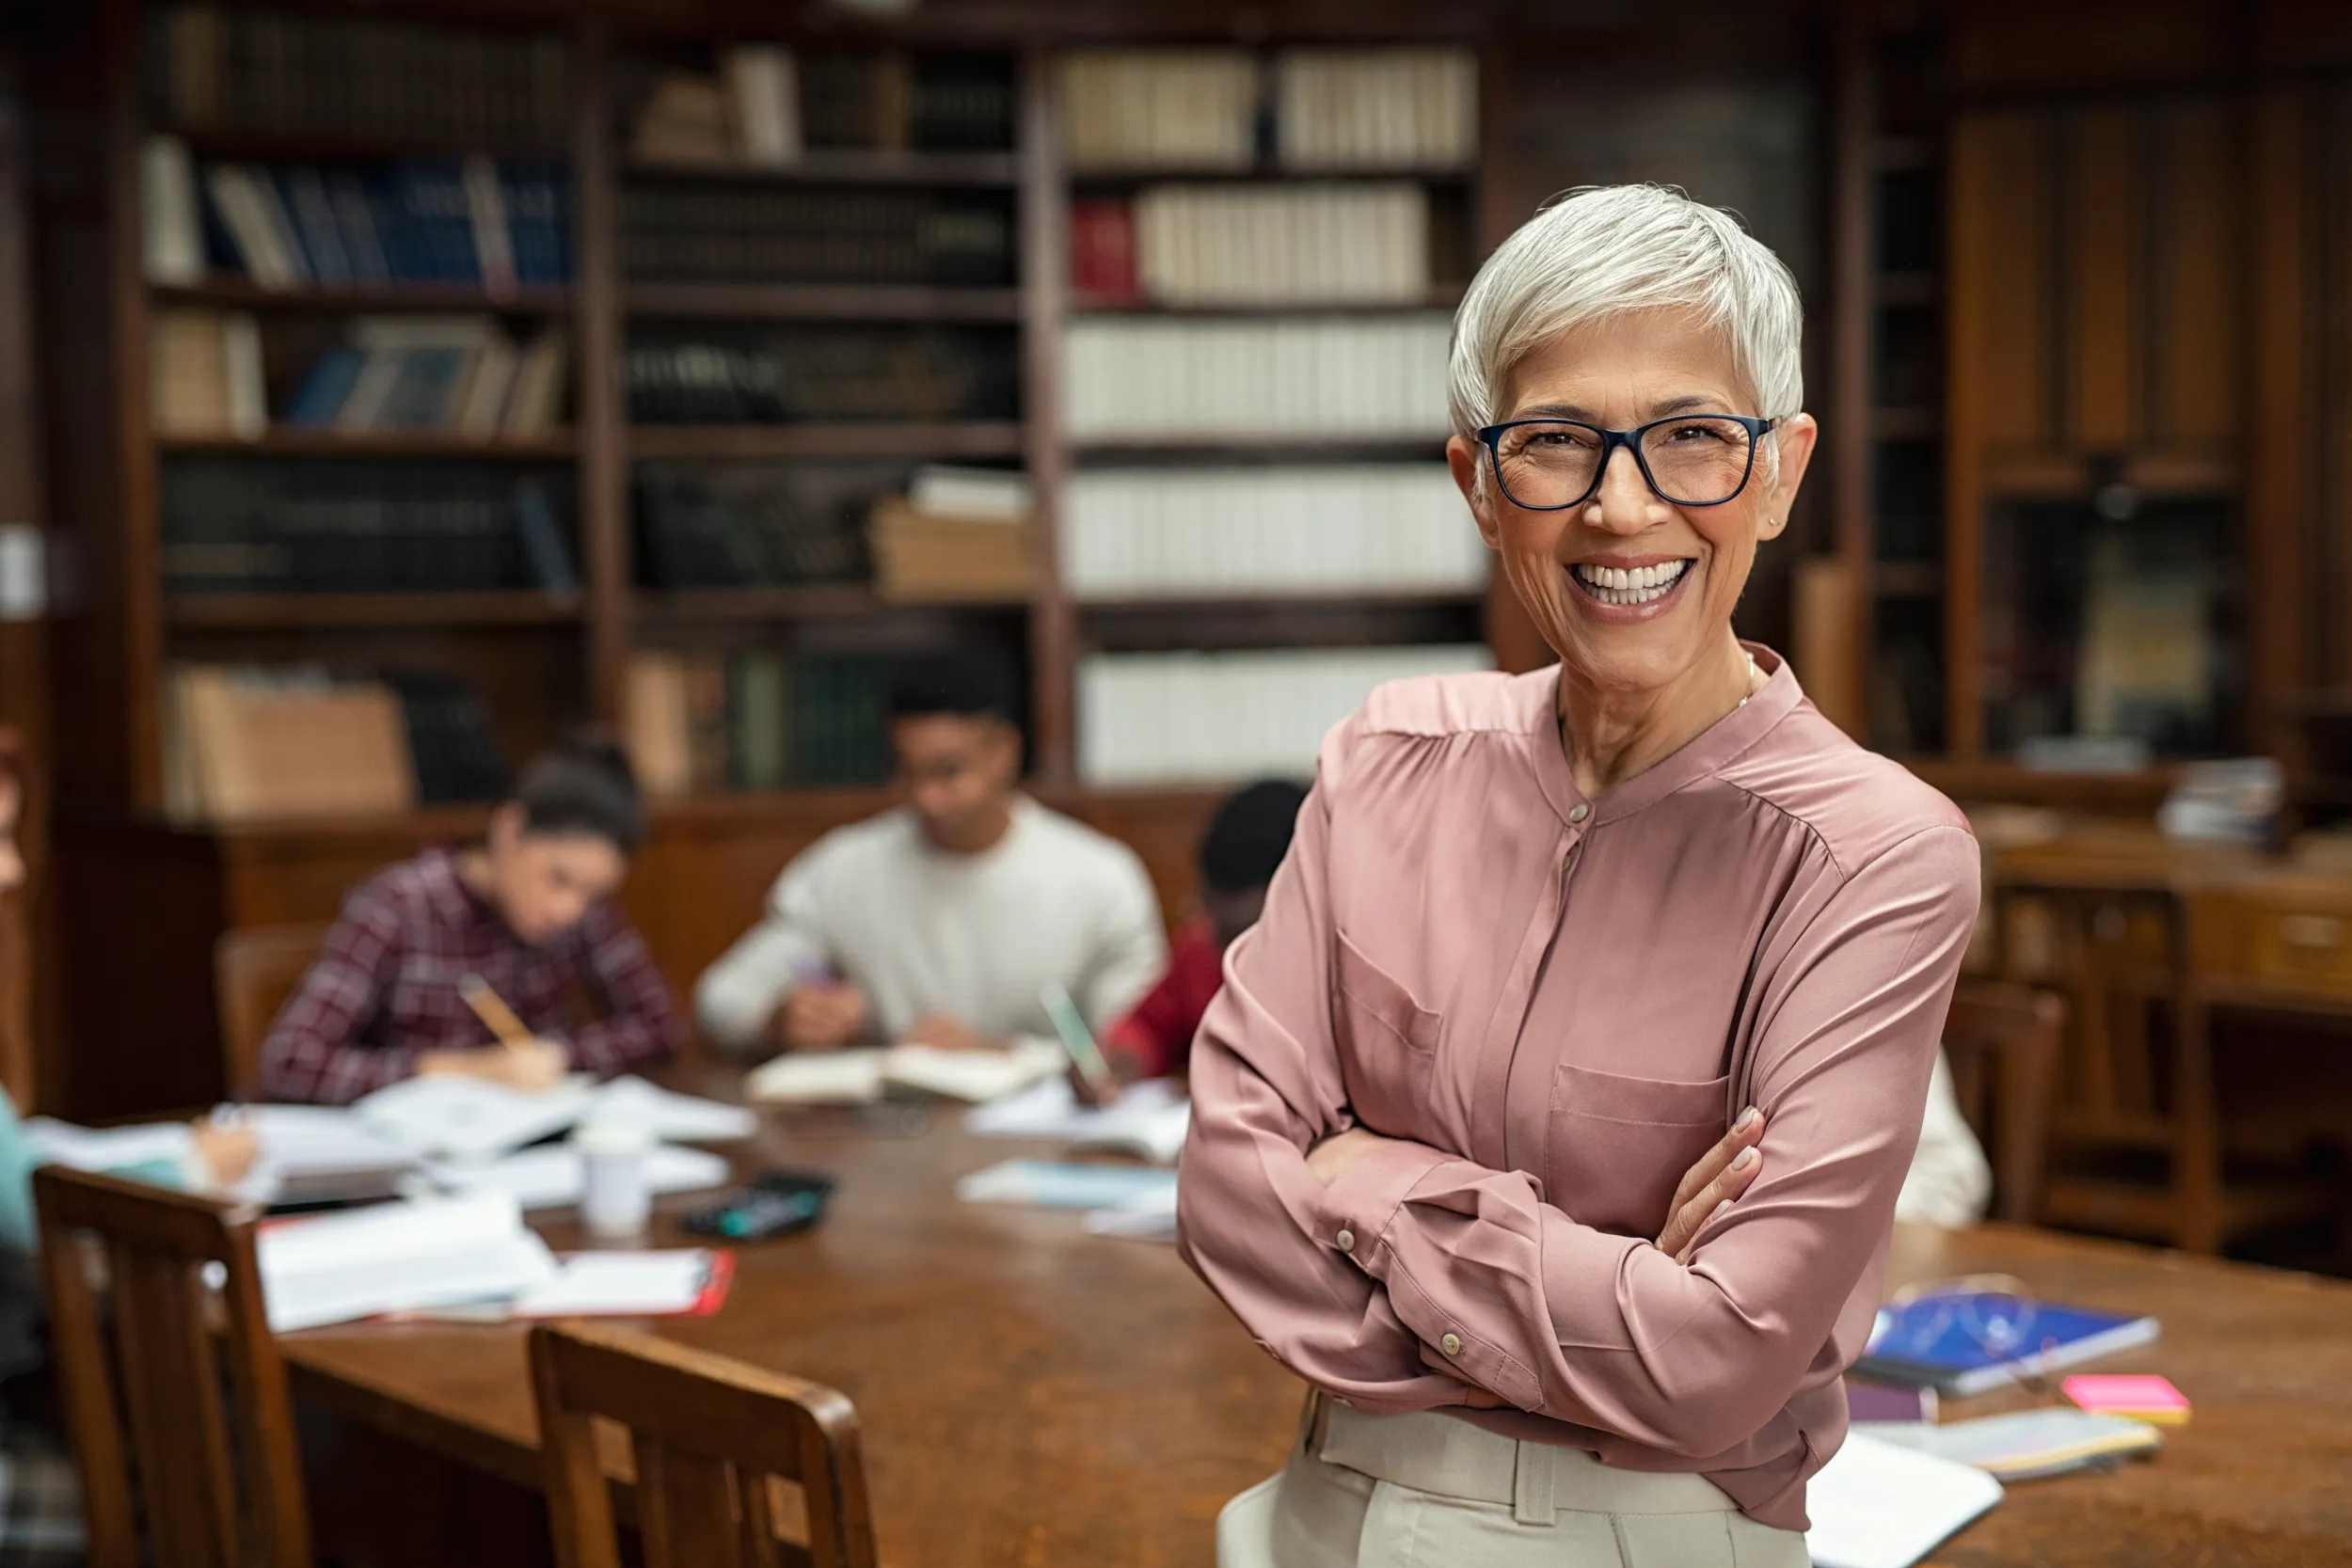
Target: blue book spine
{"type": "Point", "coordinates": [320, 396]}
{"type": "Point", "coordinates": [550, 563]}
{"type": "Point", "coordinates": [432, 195]}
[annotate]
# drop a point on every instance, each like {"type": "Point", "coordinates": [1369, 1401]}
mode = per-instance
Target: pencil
{"type": "Point", "coordinates": [492, 1010]}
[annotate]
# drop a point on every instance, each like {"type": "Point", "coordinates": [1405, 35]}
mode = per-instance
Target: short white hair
{"type": "Point", "coordinates": [1602, 250]}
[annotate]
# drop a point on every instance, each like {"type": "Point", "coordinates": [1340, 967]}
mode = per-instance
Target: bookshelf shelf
{"type": "Point", "coordinates": [1446, 174]}
{"type": "Point", "coordinates": [322, 611]}
{"type": "Point", "coordinates": [797, 302]}
{"type": "Point", "coordinates": [815, 602]}
{"type": "Point", "coordinates": [1106, 305]}
{"type": "Point", "coordinates": [969, 438]}
{"type": "Point", "coordinates": [1276, 604]}
{"type": "Point", "coordinates": [284, 442]}
{"type": "Point", "coordinates": [849, 167]}
{"type": "Point", "coordinates": [243, 293]}
{"type": "Point", "coordinates": [305, 148]}
{"type": "Point", "coordinates": [1269, 448]}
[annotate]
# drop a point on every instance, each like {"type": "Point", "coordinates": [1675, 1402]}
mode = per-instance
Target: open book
{"type": "Point", "coordinates": [1149, 1121]}
{"type": "Point", "coordinates": [819, 1077]}
{"type": "Point", "coordinates": [1876, 1505]}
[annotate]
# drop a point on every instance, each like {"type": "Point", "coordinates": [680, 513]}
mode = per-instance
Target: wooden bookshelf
{"type": "Point", "coordinates": [243, 293]}
{"type": "Point", "coordinates": [911, 440]}
{"type": "Point", "coordinates": [328, 611]}
{"type": "Point", "coordinates": [816, 602]}
{"type": "Point", "coordinates": [281, 441]}
{"type": "Point", "coordinates": [849, 166]}
{"type": "Point", "coordinates": [818, 302]}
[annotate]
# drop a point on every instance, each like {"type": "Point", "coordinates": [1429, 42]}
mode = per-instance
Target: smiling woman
{"type": "Point", "coordinates": [1550, 1121]}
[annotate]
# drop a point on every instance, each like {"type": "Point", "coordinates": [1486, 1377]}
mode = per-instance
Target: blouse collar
{"type": "Point", "coordinates": [1706, 754]}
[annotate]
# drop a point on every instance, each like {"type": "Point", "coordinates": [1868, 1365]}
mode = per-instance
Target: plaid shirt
{"type": "Point", "coordinates": [384, 989]}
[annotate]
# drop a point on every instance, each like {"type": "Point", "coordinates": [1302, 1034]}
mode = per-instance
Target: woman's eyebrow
{"type": "Point", "coordinates": [1686, 403]}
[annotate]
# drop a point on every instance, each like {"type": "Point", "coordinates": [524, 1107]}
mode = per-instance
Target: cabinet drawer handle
{"type": "Point", "coordinates": [2316, 931]}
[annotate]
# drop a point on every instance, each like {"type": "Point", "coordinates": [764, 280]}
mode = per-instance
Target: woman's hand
{"type": "Point", "coordinates": [1722, 1173]}
{"type": "Point", "coordinates": [1331, 1157]}
{"type": "Point", "coordinates": [224, 1153]}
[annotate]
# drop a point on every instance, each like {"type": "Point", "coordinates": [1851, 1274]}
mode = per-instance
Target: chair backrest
{"type": "Point", "coordinates": [222, 1487]}
{"type": "Point", "coordinates": [2003, 1042]}
{"type": "Point", "coordinates": [707, 1433]}
{"type": "Point", "coordinates": [254, 971]}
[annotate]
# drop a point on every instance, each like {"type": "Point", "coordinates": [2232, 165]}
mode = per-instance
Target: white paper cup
{"type": "Point", "coordinates": [616, 1196]}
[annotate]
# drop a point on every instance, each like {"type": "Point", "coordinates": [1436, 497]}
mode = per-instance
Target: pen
{"type": "Point", "coordinates": [492, 1010]}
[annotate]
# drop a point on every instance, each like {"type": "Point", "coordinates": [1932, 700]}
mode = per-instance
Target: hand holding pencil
{"type": "Point", "coordinates": [521, 1060]}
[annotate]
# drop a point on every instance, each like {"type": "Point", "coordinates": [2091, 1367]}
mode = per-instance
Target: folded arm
{"type": "Point", "coordinates": [1265, 1088]}
{"type": "Point", "coordinates": [1606, 1331]}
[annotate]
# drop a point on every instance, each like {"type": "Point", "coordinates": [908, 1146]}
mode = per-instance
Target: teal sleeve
{"type": "Point", "coordinates": [18, 1155]}
{"type": "Point", "coordinates": [17, 1159]}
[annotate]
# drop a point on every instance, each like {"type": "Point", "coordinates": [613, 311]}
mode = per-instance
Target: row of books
{"type": "Point", "coordinates": [765, 105]}
{"type": "Point", "coordinates": [703, 721]}
{"type": "Point", "coordinates": [420, 220]}
{"type": "Point", "coordinates": [314, 526]}
{"type": "Point", "coordinates": [1211, 244]}
{"type": "Point", "coordinates": [206, 377]}
{"type": "Point", "coordinates": [1329, 529]}
{"type": "Point", "coordinates": [459, 373]}
{"type": "Point", "coordinates": [251, 744]}
{"type": "Point", "coordinates": [747, 234]}
{"type": "Point", "coordinates": [825, 373]}
{"type": "Point", "coordinates": [1168, 718]}
{"type": "Point", "coordinates": [1309, 108]}
{"type": "Point", "coordinates": [740, 526]}
{"type": "Point", "coordinates": [212, 68]}
{"type": "Point", "coordinates": [1344, 377]}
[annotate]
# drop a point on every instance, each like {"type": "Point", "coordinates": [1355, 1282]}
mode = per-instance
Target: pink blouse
{"type": "Point", "coordinates": [1558, 1004]}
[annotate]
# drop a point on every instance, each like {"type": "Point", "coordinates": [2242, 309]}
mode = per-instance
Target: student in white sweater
{"type": "Point", "coordinates": [939, 921]}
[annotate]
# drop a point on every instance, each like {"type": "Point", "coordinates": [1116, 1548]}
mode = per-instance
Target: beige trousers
{"type": "Point", "coordinates": [1429, 1491]}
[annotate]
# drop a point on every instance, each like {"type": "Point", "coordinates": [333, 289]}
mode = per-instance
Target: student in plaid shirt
{"type": "Point", "coordinates": [529, 911]}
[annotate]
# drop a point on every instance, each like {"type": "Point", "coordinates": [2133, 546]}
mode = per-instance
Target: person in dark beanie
{"type": "Point", "coordinates": [527, 912]}
{"type": "Point", "coordinates": [1246, 841]}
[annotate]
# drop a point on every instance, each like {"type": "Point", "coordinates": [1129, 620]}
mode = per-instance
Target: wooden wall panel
{"type": "Point", "coordinates": [2102, 351]}
{"type": "Point", "coordinates": [2199, 238]}
{"type": "Point", "coordinates": [2000, 246]}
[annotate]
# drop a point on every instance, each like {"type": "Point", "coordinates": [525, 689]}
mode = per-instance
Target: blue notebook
{"type": "Point", "coordinates": [1964, 1342]}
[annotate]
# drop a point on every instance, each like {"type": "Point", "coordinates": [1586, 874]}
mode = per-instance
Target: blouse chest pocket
{"type": "Point", "coordinates": [1616, 1147]}
{"type": "Point", "coordinates": [1388, 1042]}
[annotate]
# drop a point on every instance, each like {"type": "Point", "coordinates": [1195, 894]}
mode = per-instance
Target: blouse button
{"type": "Point", "coordinates": [1450, 1345]}
{"type": "Point", "coordinates": [1579, 811]}
{"type": "Point", "coordinates": [1345, 1240]}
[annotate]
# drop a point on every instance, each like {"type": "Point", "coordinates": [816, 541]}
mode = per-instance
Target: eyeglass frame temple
{"type": "Point", "coordinates": [1756, 427]}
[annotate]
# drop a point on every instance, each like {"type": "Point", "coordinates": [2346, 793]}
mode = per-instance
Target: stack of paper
{"type": "Point", "coordinates": [629, 1285]}
{"type": "Point", "coordinates": [398, 1256]}
{"type": "Point", "coordinates": [1044, 1184]}
{"type": "Point", "coordinates": [817, 1077]}
{"type": "Point", "coordinates": [670, 1116]}
{"type": "Point", "coordinates": [1149, 1119]}
{"type": "Point", "coordinates": [544, 1178]}
{"type": "Point", "coordinates": [467, 1118]}
{"type": "Point", "coordinates": [1875, 1505]}
{"type": "Point", "coordinates": [301, 1149]}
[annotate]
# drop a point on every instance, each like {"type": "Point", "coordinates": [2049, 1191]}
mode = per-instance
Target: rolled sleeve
{"type": "Point", "coordinates": [737, 997]}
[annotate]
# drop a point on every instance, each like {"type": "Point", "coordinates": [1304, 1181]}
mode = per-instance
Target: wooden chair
{"type": "Point", "coordinates": [254, 971]}
{"type": "Point", "coordinates": [707, 1433]}
{"type": "Point", "coordinates": [2003, 1042]}
{"type": "Point", "coordinates": [222, 1487]}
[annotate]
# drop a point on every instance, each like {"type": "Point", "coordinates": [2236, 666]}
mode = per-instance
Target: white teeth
{"type": "Point", "coordinates": [1621, 585]}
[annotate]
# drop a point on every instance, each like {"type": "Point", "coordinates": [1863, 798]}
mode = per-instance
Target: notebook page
{"type": "Point", "coordinates": [1875, 1505]}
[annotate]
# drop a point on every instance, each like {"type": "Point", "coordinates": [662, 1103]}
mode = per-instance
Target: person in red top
{"type": "Point", "coordinates": [1245, 841]}
{"type": "Point", "coordinates": [529, 911]}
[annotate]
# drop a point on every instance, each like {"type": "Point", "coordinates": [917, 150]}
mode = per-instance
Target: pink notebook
{"type": "Point", "coordinates": [2142, 1397]}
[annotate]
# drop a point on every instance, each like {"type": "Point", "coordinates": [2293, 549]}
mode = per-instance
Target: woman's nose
{"type": "Point", "coordinates": [1624, 502]}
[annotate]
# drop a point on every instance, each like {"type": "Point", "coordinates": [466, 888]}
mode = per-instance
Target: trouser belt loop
{"type": "Point", "coordinates": [1314, 1420]}
{"type": "Point", "coordinates": [1531, 1485]}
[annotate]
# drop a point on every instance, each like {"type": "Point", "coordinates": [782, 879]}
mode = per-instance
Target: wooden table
{"type": "Point", "coordinates": [1033, 1395]}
